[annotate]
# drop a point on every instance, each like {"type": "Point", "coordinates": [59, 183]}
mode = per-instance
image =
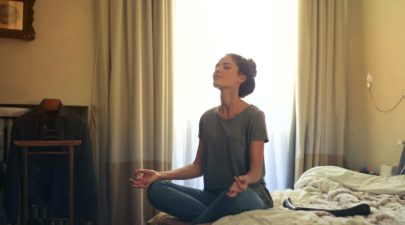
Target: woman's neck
{"type": "Point", "coordinates": [231, 105]}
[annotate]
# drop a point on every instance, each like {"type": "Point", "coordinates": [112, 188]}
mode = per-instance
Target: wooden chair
{"type": "Point", "coordinates": [69, 146]}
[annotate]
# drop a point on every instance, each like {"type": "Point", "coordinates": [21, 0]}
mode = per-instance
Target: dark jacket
{"type": "Point", "coordinates": [47, 181]}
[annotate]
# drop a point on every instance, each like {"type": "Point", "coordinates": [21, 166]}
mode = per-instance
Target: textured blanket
{"type": "Point", "coordinates": [330, 187]}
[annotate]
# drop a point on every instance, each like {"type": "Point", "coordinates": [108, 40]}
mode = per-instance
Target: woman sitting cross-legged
{"type": "Point", "coordinates": [229, 156]}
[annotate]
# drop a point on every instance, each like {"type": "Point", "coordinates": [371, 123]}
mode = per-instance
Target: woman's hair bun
{"type": "Point", "coordinates": [252, 66]}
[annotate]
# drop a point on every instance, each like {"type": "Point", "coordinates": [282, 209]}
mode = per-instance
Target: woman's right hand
{"type": "Point", "coordinates": [240, 184]}
{"type": "Point", "coordinates": [142, 178]}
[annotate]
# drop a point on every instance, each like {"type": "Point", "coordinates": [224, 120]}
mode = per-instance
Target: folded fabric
{"type": "Point", "coordinates": [361, 209]}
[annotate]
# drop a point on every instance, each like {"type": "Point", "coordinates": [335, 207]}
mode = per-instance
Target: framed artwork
{"type": "Point", "coordinates": [16, 17]}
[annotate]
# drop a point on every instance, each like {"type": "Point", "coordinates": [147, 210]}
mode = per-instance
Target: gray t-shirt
{"type": "Point", "coordinates": [227, 145]}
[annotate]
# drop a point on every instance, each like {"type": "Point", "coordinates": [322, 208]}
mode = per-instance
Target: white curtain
{"type": "Point", "coordinates": [267, 32]}
{"type": "Point", "coordinates": [131, 106]}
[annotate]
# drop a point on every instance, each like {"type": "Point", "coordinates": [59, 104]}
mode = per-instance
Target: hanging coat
{"type": "Point", "coordinates": [47, 179]}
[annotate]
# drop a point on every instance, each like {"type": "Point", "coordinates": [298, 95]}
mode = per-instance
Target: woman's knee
{"type": "Point", "coordinates": [249, 200]}
{"type": "Point", "coordinates": [155, 189]}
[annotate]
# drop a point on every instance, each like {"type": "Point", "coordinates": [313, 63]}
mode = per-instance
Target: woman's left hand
{"type": "Point", "coordinates": [239, 184]}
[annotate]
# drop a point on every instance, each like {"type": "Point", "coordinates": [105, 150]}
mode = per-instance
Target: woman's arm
{"type": "Point", "coordinates": [142, 178]}
{"type": "Point", "coordinates": [254, 174]}
{"type": "Point", "coordinates": [256, 161]}
{"type": "Point", "coordinates": [187, 172]}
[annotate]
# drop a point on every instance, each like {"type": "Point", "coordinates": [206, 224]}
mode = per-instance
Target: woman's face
{"type": "Point", "coordinates": [227, 75]}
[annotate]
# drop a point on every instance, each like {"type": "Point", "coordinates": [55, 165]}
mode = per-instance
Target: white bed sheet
{"type": "Point", "coordinates": [332, 187]}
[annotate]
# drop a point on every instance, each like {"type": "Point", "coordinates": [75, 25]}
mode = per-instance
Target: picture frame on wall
{"type": "Point", "coordinates": [16, 19]}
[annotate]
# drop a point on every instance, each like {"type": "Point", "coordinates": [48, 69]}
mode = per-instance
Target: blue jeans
{"type": "Point", "coordinates": [197, 206]}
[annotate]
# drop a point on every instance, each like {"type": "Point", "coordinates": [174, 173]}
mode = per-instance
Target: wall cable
{"type": "Point", "coordinates": [369, 87]}
{"type": "Point", "coordinates": [385, 110]}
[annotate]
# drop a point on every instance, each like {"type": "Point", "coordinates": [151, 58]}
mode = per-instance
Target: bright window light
{"type": "Point", "coordinates": [206, 30]}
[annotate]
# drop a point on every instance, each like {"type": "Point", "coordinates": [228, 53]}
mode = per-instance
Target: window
{"type": "Point", "coordinates": [206, 30]}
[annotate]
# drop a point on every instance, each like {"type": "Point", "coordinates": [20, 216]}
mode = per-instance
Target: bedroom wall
{"type": "Point", "coordinates": [376, 44]}
{"type": "Point", "coordinates": [58, 63]}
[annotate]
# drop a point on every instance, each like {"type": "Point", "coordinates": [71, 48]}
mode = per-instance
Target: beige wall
{"type": "Point", "coordinates": [376, 44]}
{"type": "Point", "coordinates": [58, 63]}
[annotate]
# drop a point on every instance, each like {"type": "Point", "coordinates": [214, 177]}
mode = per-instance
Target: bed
{"type": "Point", "coordinates": [333, 187]}
{"type": "Point", "coordinates": [330, 187]}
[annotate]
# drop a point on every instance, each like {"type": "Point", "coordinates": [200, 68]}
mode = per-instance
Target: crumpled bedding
{"type": "Point", "coordinates": [331, 187]}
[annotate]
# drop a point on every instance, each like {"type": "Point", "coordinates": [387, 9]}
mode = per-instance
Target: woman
{"type": "Point", "coordinates": [229, 155]}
